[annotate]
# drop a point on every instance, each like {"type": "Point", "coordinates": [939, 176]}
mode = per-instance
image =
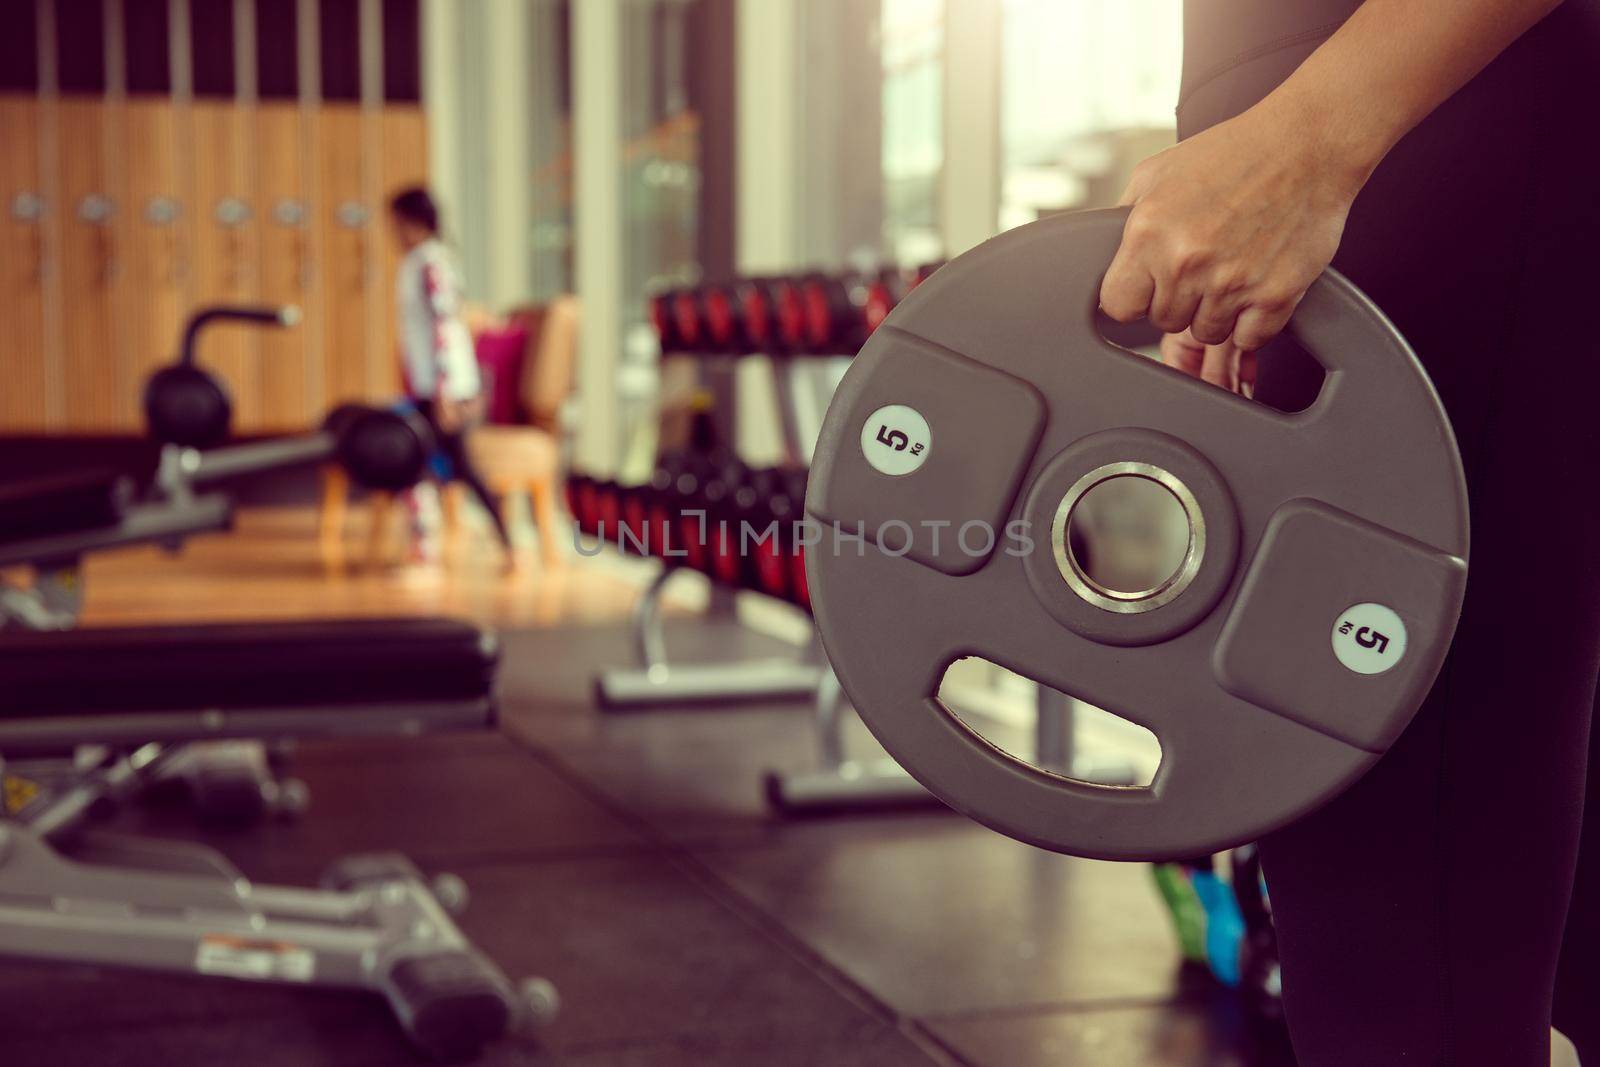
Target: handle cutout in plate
{"type": "Point", "coordinates": [1044, 728]}
{"type": "Point", "coordinates": [1293, 377]}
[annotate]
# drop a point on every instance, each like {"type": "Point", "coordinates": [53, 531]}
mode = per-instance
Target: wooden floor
{"type": "Point", "coordinates": [270, 567]}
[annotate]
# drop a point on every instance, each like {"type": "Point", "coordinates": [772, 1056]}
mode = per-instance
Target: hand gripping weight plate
{"type": "Point", "coordinates": [1319, 592]}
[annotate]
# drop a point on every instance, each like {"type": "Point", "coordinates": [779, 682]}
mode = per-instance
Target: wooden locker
{"type": "Point", "coordinates": [225, 236]}
{"type": "Point", "coordinates": [24, 398]}
{"type": "Point", "coordinates": [149, 286]}
{"type": "Point", "coordinates": [347, 222]}
{"type": "Point", "coordinates": [95, 386]}
{"type": "Point", "coordinates": [404, 163]}
{"type": "Point", "coordinates": [283, 208]}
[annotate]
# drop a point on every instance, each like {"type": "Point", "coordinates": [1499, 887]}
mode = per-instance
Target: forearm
{"type": "Point", "coordinates": [1387, 68]}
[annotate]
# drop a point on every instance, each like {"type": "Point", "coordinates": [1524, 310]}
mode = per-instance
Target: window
{"type": "Point", "coordinates": [1088, 89]}
{"type": "Point", "coordinates": [913, 127]}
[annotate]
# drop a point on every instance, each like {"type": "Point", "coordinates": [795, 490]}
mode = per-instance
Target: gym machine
{"type": "Point", "coordinates": [136, 696]}
{"type": "Point", "coordinates": [189, 413]}
{"type": "Point", "coordinates": [95, 716]}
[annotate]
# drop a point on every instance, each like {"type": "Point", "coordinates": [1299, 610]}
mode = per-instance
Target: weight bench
{"type": "Point", "coordinates": [90, 715]}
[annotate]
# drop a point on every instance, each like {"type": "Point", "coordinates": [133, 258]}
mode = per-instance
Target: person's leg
{"type": "Point", "coordinates": [1577, 1001]}
{"type": "Point", "coordinates": [454, 447]}
{"type": "Point", "coordinates": [424, 522]}
{"type": "Point", "coordinates": [1421, 913]}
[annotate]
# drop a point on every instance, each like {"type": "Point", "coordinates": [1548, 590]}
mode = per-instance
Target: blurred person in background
{"type": "Point", "coordinates": [439, 364]}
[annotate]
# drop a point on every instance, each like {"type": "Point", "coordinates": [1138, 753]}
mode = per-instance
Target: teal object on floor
{"type": "Point", "coordinates": [1224, 926]}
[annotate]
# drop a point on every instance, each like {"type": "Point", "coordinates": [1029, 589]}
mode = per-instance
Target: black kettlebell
{"type": "Point", "coordinates": [386, 450]}
{"type": "Point", "coordinates": [184, 405]}
{"type": "Point", "coordinates": [187, 406]}
{"type": "Point", "coordinates": [337, 421]}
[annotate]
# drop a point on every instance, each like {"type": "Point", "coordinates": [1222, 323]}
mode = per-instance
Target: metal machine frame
{"type": "Point", "coordinates": [842, 784]}
{"type": "Point", "coordinates": [656, 682]}
{"type": "Point", "coordinates": [73, 895]}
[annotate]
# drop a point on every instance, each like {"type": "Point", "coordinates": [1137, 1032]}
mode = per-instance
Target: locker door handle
{"type": "Point", "coordinates": [290, 213]}
{"type": "Point", "coordinates": [161, 211]}
{"type": "Point", "coordinates": [28, 208]}
{"type": "Point", "coordinates": [231, 212]}
{"type": "Point", "coordinates": [302, 262]}
{"type": "Point", "coordinates": [97, 210]}
{"type": "Point", "coordinates": [351, 214]}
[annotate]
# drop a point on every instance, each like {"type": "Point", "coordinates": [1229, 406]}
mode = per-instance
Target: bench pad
{"type": "Point", "coordinates": [259, 665]}
{"type": "Point", "coordinates": [61, 503]}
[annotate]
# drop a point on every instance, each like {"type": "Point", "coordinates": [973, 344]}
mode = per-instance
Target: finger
{"type": "Point", "coordinates": [1218, 367]}
{"type": "Point", "coordinates": [1182, 353]}
{"type": "Point", "coordinates": [1214, 319]}
{"type": "Point", "coordinates": [1247, 373]}
{"type": "Point", "coordinates": [1127, 288]}
{"type": "Point", "coordinates": [1175, 301]}
{"type": "Point", "coordinates": [1259, 324]}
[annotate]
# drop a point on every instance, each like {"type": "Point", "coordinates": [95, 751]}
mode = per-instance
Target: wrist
{"type": "Point", "coordinates": [1336, 137]}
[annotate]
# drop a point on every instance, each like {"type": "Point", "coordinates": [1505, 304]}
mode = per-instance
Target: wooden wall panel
{"type": "Point", "coordinates": [149, 287]}
{"type": "Point", "coordinates": [347, 220]}
{"type": "Point", "coordinates": [95, 386]}
{"type": "Point", "coordinates": [226, 235]}
{"type": "Point", "coordinates": [404, 163]}
{"type": "Point", "coordinates": [22, 265]}
{"type": "Point", "coordinates": [282, 205]}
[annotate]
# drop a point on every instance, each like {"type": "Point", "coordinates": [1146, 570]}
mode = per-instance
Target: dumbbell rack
{"type": "Point", "coordinates": [658, 683]}
{"type": "Point", "coordinates": [817, 317]}
{"type": "Point", "coordinates": [655, 682]}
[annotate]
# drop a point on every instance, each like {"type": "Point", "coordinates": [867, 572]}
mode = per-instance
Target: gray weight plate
{"type": "Point", "coordinates": [1324, 570]}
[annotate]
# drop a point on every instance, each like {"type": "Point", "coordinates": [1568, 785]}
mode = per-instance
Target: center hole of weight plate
{"type": "Point", "coordinates": [1128, 537]}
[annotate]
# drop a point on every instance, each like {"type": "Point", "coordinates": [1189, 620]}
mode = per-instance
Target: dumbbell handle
{"type": "Point", "coordinates": [259, 314]}
{"type": "Point", "coordinates": [199, 468]}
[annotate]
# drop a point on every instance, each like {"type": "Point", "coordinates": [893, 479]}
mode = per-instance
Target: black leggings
{"type": "Point", "coordinates": [1421, 915]}
{"type": "Point", "coordinates": [453, 446]}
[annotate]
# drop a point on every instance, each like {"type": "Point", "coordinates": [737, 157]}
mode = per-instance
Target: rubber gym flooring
{"type": "Point", "coordinates": [631, 860]}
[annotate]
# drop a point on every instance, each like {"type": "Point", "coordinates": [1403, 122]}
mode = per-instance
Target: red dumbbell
{"type": "Point", "coordinates": [789, 314]}
{"type": "Point", "coordinates": [724, 318]}
{"type": "Point", "coordinates": [758, 313]}
{"type": "Point", "coordinates": [663, 320]}
{"type": "Point", "coordinates": [688, 317]}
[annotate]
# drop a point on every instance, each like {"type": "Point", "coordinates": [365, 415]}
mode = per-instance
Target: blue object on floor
{"type": "Point", "coordinates": [1224, 926]}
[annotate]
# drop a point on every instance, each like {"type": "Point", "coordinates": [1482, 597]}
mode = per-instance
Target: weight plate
{"type": "Point", "coordinates": [1263, 665]}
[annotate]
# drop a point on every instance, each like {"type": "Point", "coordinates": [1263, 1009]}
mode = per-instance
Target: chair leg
{"type": "Point", "coordinates": [450, 507]}
{"type": "Point", "coordinates": [380, 506]}
{"type": "Point", "coordinates": [542, 495]}
{"type": "Point", "coordinates": [331, 516]}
